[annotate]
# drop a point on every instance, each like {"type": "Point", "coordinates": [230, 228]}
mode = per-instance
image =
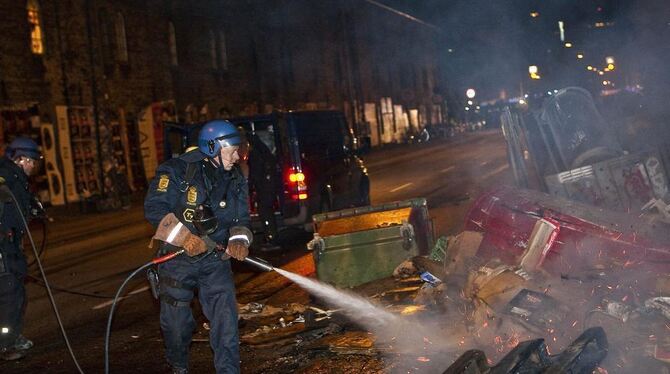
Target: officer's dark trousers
{"type": "Point", "coordinates": [12, 294]}
{"type": "Point", "coordinates": [216, 292]}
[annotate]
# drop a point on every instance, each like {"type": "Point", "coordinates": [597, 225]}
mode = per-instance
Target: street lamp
{"type": "Point", "coordinates": [470, 93]}
{"type": "Point", "coordinates": [532, 70]}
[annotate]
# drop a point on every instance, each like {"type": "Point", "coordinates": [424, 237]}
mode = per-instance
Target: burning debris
{"type": "Point", "coordinates": [530, 286]}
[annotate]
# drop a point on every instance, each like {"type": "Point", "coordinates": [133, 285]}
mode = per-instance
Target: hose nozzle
{"type": "Point", "coordinates": [259, 263]}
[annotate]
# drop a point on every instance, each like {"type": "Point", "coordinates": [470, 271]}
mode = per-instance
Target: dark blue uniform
{"type": "Point", "coordinates": [173, 191]}
{"type": "Point", "coordinates": [12, 262]}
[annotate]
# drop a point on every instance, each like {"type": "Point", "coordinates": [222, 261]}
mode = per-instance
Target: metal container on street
{"type": "Point", "coordinates": [359, 245]}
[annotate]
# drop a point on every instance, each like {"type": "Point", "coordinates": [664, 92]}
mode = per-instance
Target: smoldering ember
{"type": "Point", "coordinates": [354, 186]}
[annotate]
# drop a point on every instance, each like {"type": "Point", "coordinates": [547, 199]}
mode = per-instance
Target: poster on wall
{"type": "Point", "coordinates": [150, 125]}
{"type": "Point", "coordinates": [19, 120]}
{"type": "Point", "coordinates": [78, 151]}
{"type": "Point", "coordinates": [84, 146]}
{"type": "Point", "coordinates": [53, 174]}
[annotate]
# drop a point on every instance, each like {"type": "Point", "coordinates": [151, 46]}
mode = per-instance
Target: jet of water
{"type": "Point", "coordinates": [356, 307]}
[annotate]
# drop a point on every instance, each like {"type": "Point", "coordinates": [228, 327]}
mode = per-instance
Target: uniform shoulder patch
{"type": "Point", "coordinates": [163, 183]}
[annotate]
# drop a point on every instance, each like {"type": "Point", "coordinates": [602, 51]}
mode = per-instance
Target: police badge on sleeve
{"type": "Point", "coordinates": [192, 196]}
{"type": "Point", "coordinates": [163, 183]}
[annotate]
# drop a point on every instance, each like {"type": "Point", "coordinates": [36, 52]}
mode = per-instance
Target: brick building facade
{"type": "Point", "coordinates": [209, 59]}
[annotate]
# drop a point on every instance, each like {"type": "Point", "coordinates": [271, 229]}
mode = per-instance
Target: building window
{"type": "Point", "coordinates": [172, 41]}
{"type": "Point", "coordinates": [121, 45]}
{"type": "Point", "coordinates": [223, 52]}
{"type": "Point", "coordinates": [36, 36]}
{"type": "Point", "coordinates": [212, 50]}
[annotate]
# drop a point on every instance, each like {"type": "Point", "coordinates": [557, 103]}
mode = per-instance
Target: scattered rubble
{"type": "Point", "coordinates": [463, 248]}
{"type": "Point", "coordinates": [519, 304]}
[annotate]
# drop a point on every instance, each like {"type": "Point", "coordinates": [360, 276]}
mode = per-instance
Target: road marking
{"type": "Point", "coordinates": [496, 171]}
{"type": "Point", "coordinates": [452, 167]}
{"type": "Point", "coordinates": [483, 163]}
{"type": "Point", "coordinates": [401, 187]}
{"type": "Point", "coordinates": [110, 302]}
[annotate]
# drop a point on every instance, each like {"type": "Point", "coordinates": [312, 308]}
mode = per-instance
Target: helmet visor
{"type": "Point", "coordinates": [229, 140]}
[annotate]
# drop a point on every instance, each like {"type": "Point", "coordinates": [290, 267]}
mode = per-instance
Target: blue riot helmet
{"type": "Point", "coordinates": [217, 134]}
{"type": "Point", "coordinates": [23, 146]}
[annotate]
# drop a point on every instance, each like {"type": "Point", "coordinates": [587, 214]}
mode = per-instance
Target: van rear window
{"type": "Point", "coordinates": [320, 135]}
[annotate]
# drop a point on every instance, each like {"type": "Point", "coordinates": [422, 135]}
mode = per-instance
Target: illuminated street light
{"type": "Point", "coordinates": [589, 67]}
{"type": "Point", "coordinates": [580, 56]}
{"type": "Point", "coordinates": [469, 102]}
{"type": "Point", "coordinates": [605, 83]}
{"type": "Point", "coordinates": [470, 93]}
{"type": "Point", "coordinates": [522, 101]}
{"type": "Point", "coordinates": [568, 45]}
{"type": "Point", "coordinates": [467, 108]}
{"type": "Point", "coordinates": [532, 70]}
{"type": "Point", "coordinates": [601, 73]}
{"type": "Point", "coordinates": [610, 66]}
{"type": "Point", "coordinates": [609, 60]}
{"type": "Point", "coordinates": [534, 14]}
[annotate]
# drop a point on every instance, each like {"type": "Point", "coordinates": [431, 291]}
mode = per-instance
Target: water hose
{"type": "Point", "coordinates": [44, 277]}
{"type": "Point", "coordinates": [155, 261]}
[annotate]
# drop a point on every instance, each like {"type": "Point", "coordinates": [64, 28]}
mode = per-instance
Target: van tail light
{"type": "Point", "coordinates": [297, 185]}
{"type": "Point", "coordinates": [296, 177]}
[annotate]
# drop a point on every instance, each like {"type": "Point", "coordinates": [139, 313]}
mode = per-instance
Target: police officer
{"type": "Point", "coordinates": [204, 179]}
{"type": "Point", "coordinates": [21, 161]}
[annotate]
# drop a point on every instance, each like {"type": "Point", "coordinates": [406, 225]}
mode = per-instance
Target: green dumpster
{"type": "Point", "coordinates": [359, 245]}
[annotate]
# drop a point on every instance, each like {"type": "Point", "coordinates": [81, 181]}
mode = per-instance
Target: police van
{"type": "Point", "coordinates": [298, 163]}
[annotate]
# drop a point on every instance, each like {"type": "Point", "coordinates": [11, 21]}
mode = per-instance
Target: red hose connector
{"type": "Point", "coordinates": [167, 257]}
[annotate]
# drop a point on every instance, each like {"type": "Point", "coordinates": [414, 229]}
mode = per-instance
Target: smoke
{"type": "Point", "coordinates": [590, 284]}
{"type": "Point", "coordinates": [399, 335]}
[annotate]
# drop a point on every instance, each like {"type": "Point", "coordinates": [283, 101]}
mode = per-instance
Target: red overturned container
{"type": "Point", "coordinates": [586, 238]}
